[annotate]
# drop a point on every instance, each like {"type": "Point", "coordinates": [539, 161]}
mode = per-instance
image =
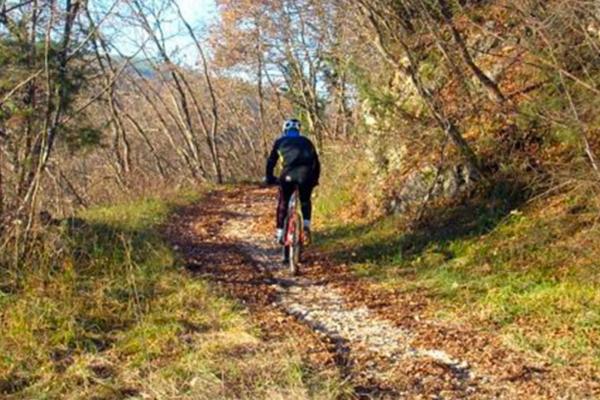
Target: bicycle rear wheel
{"type": "Point", "coordinates": [294, 250]}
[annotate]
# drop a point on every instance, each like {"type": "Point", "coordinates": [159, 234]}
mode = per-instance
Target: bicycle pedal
{"type": "Point", "coordinates": [307, 237]}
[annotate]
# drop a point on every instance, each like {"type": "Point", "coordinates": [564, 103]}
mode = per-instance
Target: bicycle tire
{"type": "Point", "coordinates": [286, 253]}
{"type": "Point", "coordinates": [294, 250]}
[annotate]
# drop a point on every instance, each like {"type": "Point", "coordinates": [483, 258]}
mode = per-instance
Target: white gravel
{"type": "Point", "coordinates": [324, 308]}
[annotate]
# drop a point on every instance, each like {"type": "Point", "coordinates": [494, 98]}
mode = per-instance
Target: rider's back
{"type": "Point", "coordinates": [298, 157]}
{"type": "Point", "coordinates": [296, 152]}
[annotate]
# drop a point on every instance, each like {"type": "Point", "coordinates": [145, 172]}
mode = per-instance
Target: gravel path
{"type": "Point", "coordinates": [359, 333]}
{"type": "Point", "coordinates": [379, 342]}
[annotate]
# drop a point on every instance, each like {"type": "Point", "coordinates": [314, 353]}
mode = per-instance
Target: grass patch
{"type": "Point", "coordinates": [530, 274]}
{"type": "Point", "coordinates": [113, 314]}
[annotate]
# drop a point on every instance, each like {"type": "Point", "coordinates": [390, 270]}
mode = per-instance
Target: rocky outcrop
{"type": "Point", "coordinates": [427, 184]}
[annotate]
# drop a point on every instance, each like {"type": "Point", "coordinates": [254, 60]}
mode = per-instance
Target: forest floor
{"type": "Point", "coordinates": [377, 342]}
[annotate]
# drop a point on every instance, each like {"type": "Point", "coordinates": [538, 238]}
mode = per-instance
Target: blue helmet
{"type": "Point", "coordinates": [291, 125]}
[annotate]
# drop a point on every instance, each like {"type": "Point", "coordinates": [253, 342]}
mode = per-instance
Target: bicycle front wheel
{"type": "Point", "coordinates": [294, 250]}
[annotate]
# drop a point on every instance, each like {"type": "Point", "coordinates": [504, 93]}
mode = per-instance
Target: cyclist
{"type": "Point", "coordinates": [300, 166]}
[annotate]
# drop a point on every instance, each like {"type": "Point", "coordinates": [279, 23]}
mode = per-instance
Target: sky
{"type": "Point", "coordinates": [197, 10]}
{"type": "Point", "coordinates": [198, 13]}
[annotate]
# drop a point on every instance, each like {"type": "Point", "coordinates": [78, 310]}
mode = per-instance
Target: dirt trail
{"type": "Point", "coordinates": [375, 340]}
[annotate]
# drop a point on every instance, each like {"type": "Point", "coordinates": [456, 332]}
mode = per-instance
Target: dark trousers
{"type": "Point", "coordinates": [286, 189]}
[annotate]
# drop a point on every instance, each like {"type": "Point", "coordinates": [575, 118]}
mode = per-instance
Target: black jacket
{"type": "Point", "coordinates": [299, 159]}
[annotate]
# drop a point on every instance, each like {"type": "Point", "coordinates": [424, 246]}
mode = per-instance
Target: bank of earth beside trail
{"type": "Point", "coordinates": [528, 271]}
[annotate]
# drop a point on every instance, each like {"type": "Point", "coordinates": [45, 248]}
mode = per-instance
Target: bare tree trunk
{"type": "Point", "coordinates": [57, 101]}
{"type": "Point", "coordinates": [275, 90]}
{"type": "Point", "coordinates": [185, 120]}
{"type": "Point", "coordinates": [144, 136]}
{"type": "Point", "coordinates": [2, 200]}
{"type": "Point", "coordinates": [260, 91]}
{"type": "Point", "coordinates": [70, 187]}
{"type": "Point", "coordinates": [166, 130]}
{"type": "Point", "coordinates": [71, 10]}
{"type": "Point", "coordinates": [109, 73]}
{"type": "Point", "coordinates": [250, 146]}
{"type": "Point", "coordinates": [25, 164]}
{"type": "Point", "coordinates": [181, 101]}
{"type": "Point", "coordinates": [176, 118]}
{"type": "Point", "coordinates": [214, 148]}
{"type": "Point", "coordinates": [203, 123]}
{"type": "Point", "coordinates": [487, 82]}
{"type": "Point", "coordinates": [582, 127]}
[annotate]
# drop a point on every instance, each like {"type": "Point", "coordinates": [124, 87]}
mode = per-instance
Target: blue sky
{"type": "Point", "coordinates": [197, 10]}
{"type": "Point", "coordinates": [198, 13]}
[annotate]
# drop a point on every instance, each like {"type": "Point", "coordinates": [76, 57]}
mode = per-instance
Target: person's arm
{"type": "Point", "coordinates": [317, 168]}
{"type": "Point", "coordinates": [272, 162]}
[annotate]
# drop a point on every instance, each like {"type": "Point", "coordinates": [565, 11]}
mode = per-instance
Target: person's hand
{"type": "Point", "coordinates": [271, 180]}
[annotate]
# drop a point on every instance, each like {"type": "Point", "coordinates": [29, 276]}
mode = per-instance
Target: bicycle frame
{"type": "Point", "coordinates": [294, 232]}
{"type": "Point", "coordinates": [294, 220]}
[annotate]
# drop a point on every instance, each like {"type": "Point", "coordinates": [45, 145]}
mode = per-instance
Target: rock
{"type": "Point", "coordinates": [416, 187]}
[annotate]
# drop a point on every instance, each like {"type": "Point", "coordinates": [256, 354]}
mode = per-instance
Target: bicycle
{"type": "Point", "coordinates": [293, 238]}
{"type": "Point", "coordinates": [293, 231]}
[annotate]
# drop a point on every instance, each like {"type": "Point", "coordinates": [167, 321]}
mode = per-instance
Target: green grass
{"type": "Point", "coordinates": [112, 313]}
{"type": "Point", "coordinates": [531, 275]}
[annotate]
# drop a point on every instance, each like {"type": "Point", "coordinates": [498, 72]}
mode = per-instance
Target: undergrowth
{"type": "Point", "coordinates": [113, 314]}
{"type": "Point", "coordinates": [528, 271]}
